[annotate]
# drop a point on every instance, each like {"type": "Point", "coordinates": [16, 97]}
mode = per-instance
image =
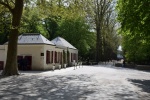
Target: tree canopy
{"type": "Point", "coordinates": [15, 8]}
{"type": "Point", "coordinates": [89, 25]}
{"type": "Point", "coordinates": [134, 17]}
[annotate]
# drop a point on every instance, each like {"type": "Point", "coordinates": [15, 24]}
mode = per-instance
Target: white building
{"type": "Point", "coordinates": [67, 47]}
{"type": "Point", "coordinates": [2, 56]}
{"type": "Point", "coordinates": [40, 53]}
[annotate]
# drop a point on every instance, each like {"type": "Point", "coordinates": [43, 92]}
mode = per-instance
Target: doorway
{"type": "Point", "coordinates": [24, 62]}
{"type": "Point", "coordinates": [1, 65]}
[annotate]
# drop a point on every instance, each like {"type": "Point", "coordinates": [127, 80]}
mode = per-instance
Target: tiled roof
{"type": "Point", "coordinates": [58, 41]}
{"type": "Point", "coordinates": [33, 38]}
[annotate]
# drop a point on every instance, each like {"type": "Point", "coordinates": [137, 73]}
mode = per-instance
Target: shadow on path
{"type": "Point", "coordinates": [143, 84]}
{"type": "Point", "coordinates": [40, 88]}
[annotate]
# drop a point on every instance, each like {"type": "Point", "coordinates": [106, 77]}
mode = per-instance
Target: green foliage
{"type": "Point", "coordinates": [51, 26]}
{"type": "Point", "coordinates": [4, 24]}
{"type": "Point", "coordinates": [134, 18]}
{"type": "Point", "coordinates": [136, 48]}
{"type": "Point", "coordinates": [52, 18]}
{"type": "Point", "coordinates": [72, 20]}
{"type": "Point", "coordinates": [32, 22]}
{"type": "Point", "coordinates": [76, 31]}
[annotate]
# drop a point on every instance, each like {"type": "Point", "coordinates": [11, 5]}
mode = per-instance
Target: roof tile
{"type": "Point", "coordinates": [58, 41]}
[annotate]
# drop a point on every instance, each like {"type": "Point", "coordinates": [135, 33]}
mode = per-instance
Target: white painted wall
{"type": "Point", "coordinates": [73, 51]}
{"type": "Point", "coordinates": [34, 51]}
{"type": "Point", "coordinates": [2, 53]}
{"type": "Point", "coordinates": [58, 50]}
{"type": "Point", "coordinates": [70, 51]}
{"type": "Point", "coordinates": [38, 61]}
{"type": "Point", "coordinates": [50, 48]}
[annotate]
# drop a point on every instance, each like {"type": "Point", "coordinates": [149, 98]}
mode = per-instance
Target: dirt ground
{"type": "Point", "coordinates": [99, 82]}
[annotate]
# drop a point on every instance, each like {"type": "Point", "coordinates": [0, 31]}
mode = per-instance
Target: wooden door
{"type": "Point", "coordinates": [1, 65]}
{"type": "Point", "coordinates": [19, 60]}
{"type": "Point", "coordinates": [29, 62]}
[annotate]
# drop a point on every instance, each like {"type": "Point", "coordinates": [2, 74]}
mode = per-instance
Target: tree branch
{"type": "Point", "coordinates": [13, 2]}
{"type": "Point", "coordinates": [7, 6]}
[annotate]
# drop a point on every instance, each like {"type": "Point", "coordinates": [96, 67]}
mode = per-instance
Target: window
{"type": "Point", "coordinates": [55, 57]}
{"type": "Point", "coordinates": [72, 57]}
{"type": "Point", "coordinates": [52, 57]}
{"type": "Point", "coordinates": [61, 57]}
{"type": "Point", "coordinates": [58, 60]}
{"type": "Point", "coordinates": [42, 54]}
{"type": "Point", "coordinates": [47, 57]}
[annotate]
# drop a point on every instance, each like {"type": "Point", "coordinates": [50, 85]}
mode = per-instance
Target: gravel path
{"type": "Point", "coordinates": [101, 82]}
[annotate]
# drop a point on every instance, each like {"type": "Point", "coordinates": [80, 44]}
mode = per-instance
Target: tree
{"type": "Point", "coordinates": [110, 39]}
{"type": "Point", "coordinates": [97, 11]}
{"type": "Point", "coordinates": [76, 31]}
{"type": "Point", "coordinates": [51, 26]}
{"type": "Point", "coordinates": [68, 20]}
{"type": "Point", "coordinates": [136, 12]}
{"type": "Point", "coordinates": [32, 21]}
{"type": "Point", "coordinates": [16, 8]}
{"type": "Point", "coordinates": [134, 18]}
{"type": "Point", "coordinates": [5, 24]}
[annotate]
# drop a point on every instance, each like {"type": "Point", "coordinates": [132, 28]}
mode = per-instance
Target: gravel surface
{"type": "Point", "coordinates": [100, 82]}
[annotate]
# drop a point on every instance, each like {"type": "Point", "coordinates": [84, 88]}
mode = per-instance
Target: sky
{"type": "Point", "coordinates": [120, 48]}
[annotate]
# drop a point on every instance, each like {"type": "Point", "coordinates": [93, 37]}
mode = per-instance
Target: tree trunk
{"type": "Point", "coordinates": [11, 62]}
{"type": "Point", "coordinates": [98, 45]}
{"type": "Point", "coordinates": [11, 67]}
{"type": "Point", "coordinates": [97, 48]}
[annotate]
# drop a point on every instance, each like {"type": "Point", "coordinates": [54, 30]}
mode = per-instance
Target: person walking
{"type": "Point", "coordinates": [123, 63]}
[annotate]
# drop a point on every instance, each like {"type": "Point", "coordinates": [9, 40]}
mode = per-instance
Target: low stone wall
{"type": "Point", "coordinates": [139, 67]}
{"type": "Point", "coordinates": [143, 67]}
{"type": "Point", "coordinates": [126, 65]}
{"type": "Point", "coordinates": [118, 64]}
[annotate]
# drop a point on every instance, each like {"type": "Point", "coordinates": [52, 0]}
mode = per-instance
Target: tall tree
{"type": "Point", "coordinates": [134, 17]}
{"type": "Point", "coordinates": [32, 21]}
{"type": "Point", "coordinates": [16, 8]}
{"type": "Point", "coordinates": [110, 39]}
{"type": "Point", "coordinates": [5, 20]}
{"type": "Point", "coordinates": [97, 10]}
{"type": "Point", "coordinates": [51, 26]}
{"type": "Point", "coordinates": [76, 31]}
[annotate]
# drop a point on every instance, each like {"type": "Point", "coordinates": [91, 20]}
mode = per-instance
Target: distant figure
{"type": "Point", "coordinates": [88, 61]}
{"type": "Point", "coordinates": [123, 63]}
